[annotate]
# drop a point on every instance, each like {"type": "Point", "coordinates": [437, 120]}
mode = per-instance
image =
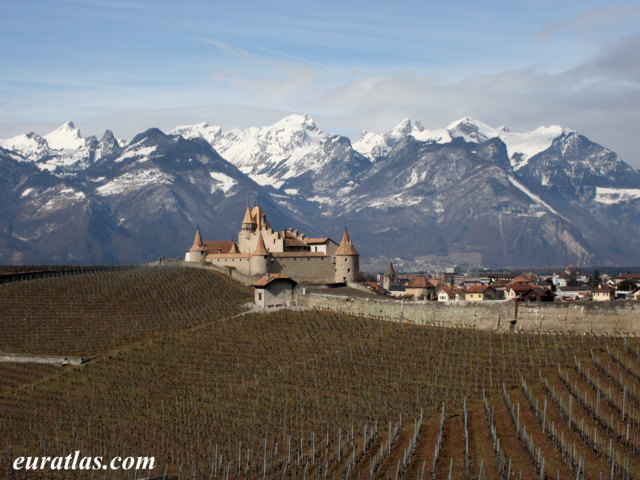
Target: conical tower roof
{"type": "Point", "coordinates": [198, 245]}
{"type": "Point", "coordinates": [346, 247]}
{"type": "Point", "coordinates": [247, 216]}
{"type": "Point", "coordinates": [261, 248]}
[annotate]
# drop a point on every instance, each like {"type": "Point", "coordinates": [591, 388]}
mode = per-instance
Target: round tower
{"type": "Point", "coordinates": [198, 251]}
{"type": "Point", "coordinates": [248, 225]}
{"type": "Point", "coordinates": [259, 261]}
{"type": "Point", "coordinates": [347, 260]}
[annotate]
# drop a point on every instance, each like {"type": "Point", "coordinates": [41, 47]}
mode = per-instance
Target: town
{"type": "Point", "coordinates": [452, 285]}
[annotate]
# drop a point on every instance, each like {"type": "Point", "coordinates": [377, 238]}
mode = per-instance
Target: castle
{"type": "Point", "coordinates": [261, 250]}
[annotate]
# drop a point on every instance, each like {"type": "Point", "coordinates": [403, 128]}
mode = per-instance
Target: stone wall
{"type": "Point", "coordinates": [45, 359]}
{"type": "Point", "coordinates": [229, 271]}
{"type": "Point", "coordinates": [320, 269]}
{"type": "Point", "coordinates": [620, 317]}
{"type": "Point", "coordinates": [616, 318]}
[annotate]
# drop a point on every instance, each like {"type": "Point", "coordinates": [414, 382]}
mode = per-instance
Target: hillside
{"type": "Point", "coordinates": [306, 394]}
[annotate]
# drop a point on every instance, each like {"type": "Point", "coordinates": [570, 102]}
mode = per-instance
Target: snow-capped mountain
{"type": "Point", "coordinates": [467, 193]}
{"type": "Point", "coordinates": [292, 155]}
{"type": "Point", "coordinates": [520, 146]}
{"type": "Point", "coordinates": [64, 148]}
{"type": "Point", "coordinates": [122, 203]}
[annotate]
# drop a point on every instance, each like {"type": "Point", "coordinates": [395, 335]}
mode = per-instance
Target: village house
{"type": "Point", "coordinates": [447, 293]}
{"type": "Point", "coordinates": [537, 294]}
{"type": "Point", "coordinates": [517, 290]}
{"type": "Point", "coordinates": [602, 294]}
{"type": "Point", "coordinates": [479, 293]}
{"type": "Point", "coordinates": [421, 288]}
{"type": "Point", "coordinates": [579, 292]}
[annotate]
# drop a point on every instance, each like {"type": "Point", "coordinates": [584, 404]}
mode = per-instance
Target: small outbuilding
{"type": "Point", "coordinates": [274, 290]}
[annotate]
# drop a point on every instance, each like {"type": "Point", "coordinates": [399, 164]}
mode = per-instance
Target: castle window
{"type": "Point", "coordinates": [348, 270]}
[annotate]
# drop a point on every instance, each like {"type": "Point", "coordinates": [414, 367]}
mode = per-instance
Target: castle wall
{"type": "Point", "coordinates": [320, 269]}
{"type": "Point", "coordinates": [242, 264]}
{"type": "Point", "coordinates": [270, 237]}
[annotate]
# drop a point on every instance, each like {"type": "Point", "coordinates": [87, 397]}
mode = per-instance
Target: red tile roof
{"type": "Point", "coordinates": [419, 281]}
{"type": "Point", "coordinates": [297, 254]}
{"type": "Point", "coordinates": [314, 241]}
{"type": "Point", "coordinates": [291, 241]}
{"type": "Point", "coordinates": [219, 246]}
{"type": "Point", "coordinates": [449, 290]}
{"type": "Point", "coordinates": [269, 278]}
{"type": "Point", "coordinates": [478, 289]}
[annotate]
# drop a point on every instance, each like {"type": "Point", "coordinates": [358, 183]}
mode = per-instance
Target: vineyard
{"type": "Point", "coordinates": [88, 314]}
{"type": "Point", "coordinates": [305, 394]}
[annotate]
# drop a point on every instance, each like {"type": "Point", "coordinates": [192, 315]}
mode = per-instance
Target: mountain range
{"type": "Point", "coordinates": [468, 194]}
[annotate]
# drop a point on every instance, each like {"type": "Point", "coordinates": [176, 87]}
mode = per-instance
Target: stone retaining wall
{"type": "Point", "coordinates": [46, 359]}
{"type": "Point", "coordinates": [615, 318]}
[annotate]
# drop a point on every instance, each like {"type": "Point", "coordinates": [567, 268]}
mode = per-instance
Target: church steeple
{"type": "Point", "coordinates": [389, 276]}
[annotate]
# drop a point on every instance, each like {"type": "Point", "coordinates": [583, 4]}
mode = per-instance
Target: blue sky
{"type": "Point", "coordinates": [128, 65]}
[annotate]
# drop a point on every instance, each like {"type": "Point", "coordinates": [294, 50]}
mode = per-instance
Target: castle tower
{"type": "Point", "coordinates": [259, 261]}
{"type": "Point", "coordinates": [347, 260]}
{"type": "Point", "coordinates": [248, 225]}
{"type": "Point", "coordinates": [197, 252]}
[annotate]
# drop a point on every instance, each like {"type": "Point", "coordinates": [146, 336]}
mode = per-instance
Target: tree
{"type": "Point", "coordinates": [595, 281]}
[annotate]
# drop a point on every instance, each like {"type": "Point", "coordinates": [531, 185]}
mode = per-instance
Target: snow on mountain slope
{"type": "Point", "coordinates": [531, 195]}
{"type": "Point", "coordinates": [222, 182]}
{"type": "Point", "coordinates": [257, 150]}
{"type": "Point", "coordinates": [521, 146]}
{"type": "Point", "coordinates": [610, 196]}
{"type": "Point", "coordinates": [129, 181]}
{"type": "Point", "coordinates": [30, 145]}
{"type": "Point", "coordinates": [65, 137]}
{"type": "Point", "coordinates": [210, 133]}
{"type": "Point", "coordinates": [274, 155]}
{"type": "Point", "coordinates": [64, 147]}
{"type": "Point", "coordinates": [374, 146]}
